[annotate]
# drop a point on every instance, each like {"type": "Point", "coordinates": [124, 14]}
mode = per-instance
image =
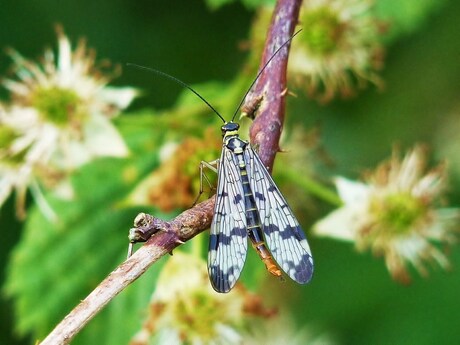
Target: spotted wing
{"type": "Point", "coordinates": [228, 242]}
{"type": "Point", "coordinates": [283, 234]}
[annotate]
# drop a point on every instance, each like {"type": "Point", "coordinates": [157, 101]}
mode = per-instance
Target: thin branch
{"type": "Point", "coordinates": [268, 97]}
{"type": "Point", "coordinates": [266, 101]}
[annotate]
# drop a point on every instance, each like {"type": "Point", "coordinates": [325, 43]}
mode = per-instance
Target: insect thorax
{"type": "Point", "coordinates": [231, 137]}
{"type": "Point", "coordinates": [235, 144]}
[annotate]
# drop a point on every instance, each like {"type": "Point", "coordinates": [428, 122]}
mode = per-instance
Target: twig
{"type": "Point", "coordinates": [268, 97]}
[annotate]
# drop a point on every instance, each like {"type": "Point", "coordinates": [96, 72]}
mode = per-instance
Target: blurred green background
{"type": "Point", "coordinates": [351, 295]}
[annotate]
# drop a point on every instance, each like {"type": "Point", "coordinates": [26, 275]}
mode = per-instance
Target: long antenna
{"type": "Point", "coordinates": [163, 74]}
{"type": "Point", "coordinates": [261, 71]}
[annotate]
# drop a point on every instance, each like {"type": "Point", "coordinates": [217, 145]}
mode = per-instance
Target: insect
{"type": "Point", "coordinates": [249, 205]}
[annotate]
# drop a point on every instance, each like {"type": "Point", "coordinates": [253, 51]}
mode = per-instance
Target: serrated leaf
{"type": "Point", "coordinates": [57, 265]}
{"type": "Point", "coordinates": [123, 317]}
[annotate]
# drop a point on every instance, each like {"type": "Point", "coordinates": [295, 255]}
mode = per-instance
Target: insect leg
{"type": "Point", "coordinates": [211, 166]}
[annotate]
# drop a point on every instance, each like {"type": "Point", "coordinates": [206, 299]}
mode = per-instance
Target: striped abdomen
{"type": "Point", "coordinates": [253, 223]}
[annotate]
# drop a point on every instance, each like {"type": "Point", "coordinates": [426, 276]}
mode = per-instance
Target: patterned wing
{"type": "Point", "coordinates": [283, 234]}
{"type": "Point", "coordinates": [228, 243]}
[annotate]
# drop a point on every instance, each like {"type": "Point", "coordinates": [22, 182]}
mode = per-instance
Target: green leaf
{"type": "Point", "coordinates": [58, 264]}
{"type": "Point", "coordinates": [123, 317]}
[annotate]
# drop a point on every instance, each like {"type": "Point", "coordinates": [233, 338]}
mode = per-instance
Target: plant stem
{"type": "Point", "coordinates": [266, 101]}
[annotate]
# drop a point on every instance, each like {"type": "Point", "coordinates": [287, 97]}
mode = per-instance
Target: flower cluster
{"type": "Point", "coordinates": [58, 119]}
{"type": "Point", "coordinates": [186, 310]}
{"type": "Point", "coordinates": [174, 184]}
{"type": "Point", "coordinates": [396, 213]}
{"type": "Point", "coordinates": [338, 50]}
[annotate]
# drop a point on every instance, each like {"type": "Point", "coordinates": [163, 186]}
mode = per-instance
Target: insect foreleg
{"type": "Point", "coordinates": [213, 165]}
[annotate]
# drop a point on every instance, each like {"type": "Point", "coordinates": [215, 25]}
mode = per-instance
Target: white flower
{"type": "Point", "coordinates": [59, 116]}
{"type": "Point", "coordinates": [186, 310]}
{"type": "Point", "coordinates": [395, 213]}
{"type": "Point", "coordinates": [67, 100]}
{"type": "Point", "coordinates": [15, 178]}
{"type": "Point", "coordinates": [338, 50]}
